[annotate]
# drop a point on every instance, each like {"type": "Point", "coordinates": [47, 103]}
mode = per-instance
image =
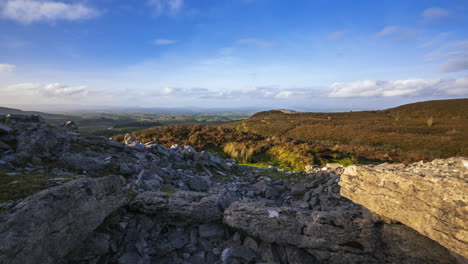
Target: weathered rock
{"type": "Point", "coordinates": [45, 227]}
{"type": "Point", "coordinates": [333, 166]}
{"type": "Point", "coordinates": [70, 126]}
{"type": "Point", "coordinates": [298, 189]}
{"type": "Point", "coordinates": [431, 198]}
{"type": "Point", "coordinates": [211, 231]}
{"type": "Point", "coordinates": [5, 129]}
{"type": "Point", "coordinates": [347, 234]}
{"type": "Point", "coordinates": [239, 254]}
{"type": "Point", "coordinates": [182, 206]}
{"type": "Point", "coordinates": [132, 141]}
{"type": "Point", "coordinates": [266, 221]}
{"type": "Point", "coordinates": [198, 184]}
{"type": "Point", "coordinates": [5, 165]}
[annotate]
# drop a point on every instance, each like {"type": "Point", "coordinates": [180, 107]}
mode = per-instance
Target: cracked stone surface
{"type": "Point", "coordinates": [431, 197]}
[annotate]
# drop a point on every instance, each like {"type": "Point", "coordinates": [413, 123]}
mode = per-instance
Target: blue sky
{"type": "Point", "coordinates": [302, 54]}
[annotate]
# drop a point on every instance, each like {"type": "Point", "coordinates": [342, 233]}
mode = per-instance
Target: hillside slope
{"type": "Point", "coordinates": [429, 129]}
{"type": "Point", "coordinates": [426, 130]}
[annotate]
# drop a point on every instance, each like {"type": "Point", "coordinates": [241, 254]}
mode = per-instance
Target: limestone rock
{"type": "Point", "coordinates": [182, 205]}
{"type": "Point", "coordinates": [431, 198]}
{"type": "Point", "coordinates": [5, 129]}
{"type": "Point", "coordinates": [45, 227]}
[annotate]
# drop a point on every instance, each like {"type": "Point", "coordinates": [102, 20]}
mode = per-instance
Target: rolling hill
{"type": "Point", "coordinates": [425, 130]}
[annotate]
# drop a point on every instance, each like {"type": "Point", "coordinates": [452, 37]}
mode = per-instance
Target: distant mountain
{"type": "Point", "coordinates": [6, 111]}
{"type": "Point", "coordinates": [54, 119]}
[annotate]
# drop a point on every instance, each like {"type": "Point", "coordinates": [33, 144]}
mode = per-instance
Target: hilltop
{"type": "Point", "coordinates": [452, 109]}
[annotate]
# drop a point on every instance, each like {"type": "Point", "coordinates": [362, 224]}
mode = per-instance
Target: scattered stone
{"type": "Point", "coordinates": [333, 166]}
{"type": "Point", "coordinates": [198, 184]}
{"type": "Point", "coordinates": [5, 129]}
{"type": "Point", "coordinates": [211, 231]}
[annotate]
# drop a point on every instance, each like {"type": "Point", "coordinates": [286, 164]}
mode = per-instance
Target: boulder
{"type": "Point", "coordinates": [431, 198]}
{"type": "Point", "coordinates": [198, 184]}
{"type": "Point", "coordinates": [346, 234]}
{"type": "Point", "coordinates": [45, 227]}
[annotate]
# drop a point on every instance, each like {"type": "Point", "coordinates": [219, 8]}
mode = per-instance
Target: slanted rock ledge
{"type": "Point", "coordinates": [431, 197]}
{"type": "Point", "coordinates": [45, 227]}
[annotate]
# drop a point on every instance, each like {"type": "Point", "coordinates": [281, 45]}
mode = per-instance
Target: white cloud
{"type": "Point", "coordinates": [164, 7]}
{"type": "Point", "coordinates": [438, 39]}
{"type": "Point", "coordinates": [7, 68]}
{"type": "Point", "coordinates": [386, 31]}
{"type": "Point", "coordinates": [181, 92]}
{"type": "Point", "coordinates": [455, 65]}
{"type": "Point", "coordinates": [408, 87]}
{"type": "Point", "coordinates": [458, 87]}
{"type": "Point", "coordinates": [257, 42]}
{"type": "Point", "coordinates": [336, 35]}
{"type": "Point", "coordinates": [55, 90]}
{"type": "Point", "coordinates": [29, 11]}
{"type": "Point", "coordinates": [434, 13]}
{"type": "Point", "coordinates": [453, 56]}
{"type": "Point", "coordinates": [266, 92]}
{"type": "Point", "coordinates": [164, 41]}
{"type": "Point", "coordinates": [398, 33]}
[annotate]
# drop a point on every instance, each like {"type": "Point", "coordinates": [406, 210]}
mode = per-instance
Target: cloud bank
{"type": "Point", "coordinates": [7, 68]}
{"type": "Point", "coordinates": [166, 7]}
{"type": "Point", "coordinates": [55, 90]}
{"type": "Point", "coordinates": [407, 87]}
{"type": "Point", "coordinates": [29, 11]}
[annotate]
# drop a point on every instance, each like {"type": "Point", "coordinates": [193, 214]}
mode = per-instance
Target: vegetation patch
{"type": "Point", "coordinates": [168, 190]}
{"type": "Point", "coordinates": [395, 135]}
{"type": "Point", "coordinates": [21, 186]}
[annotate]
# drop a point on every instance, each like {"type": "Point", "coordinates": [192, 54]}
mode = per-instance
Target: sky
{"type": "Point", "coordinates": [322, 55]}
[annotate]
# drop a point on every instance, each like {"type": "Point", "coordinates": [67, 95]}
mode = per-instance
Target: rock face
{"type": "Point", "coordinates": [337, 231]}
{"type": "Point", "coordinates": [431, 198]}
{"type": "Point", "coordinates": [193, 206]}
{"type": "Point", "coordinates": [47, 226]}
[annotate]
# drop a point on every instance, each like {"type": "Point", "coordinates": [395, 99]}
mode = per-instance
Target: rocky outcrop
{"type": "Point", "coordinates": [45, 227]}
{"type": "Point", "coordinates": [336, 231]}
{"type": "Point", "coordinates": [431, 198]}
{"type": "Point", "coordinates": [195, 207]}
{"type": "Point", "coordinates": [179, 206]}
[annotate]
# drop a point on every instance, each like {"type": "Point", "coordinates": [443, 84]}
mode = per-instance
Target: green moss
{"type": "Point", "coordinates": [168, 190]}
{"type": "Point", "coordinates": [20, 186]}
{"type": "Point", "coordinates": [345, 162]}
{"type": "Point", "coordinates": [256, 165]}
{"type": "Point", "coordinates": [287, 177]}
